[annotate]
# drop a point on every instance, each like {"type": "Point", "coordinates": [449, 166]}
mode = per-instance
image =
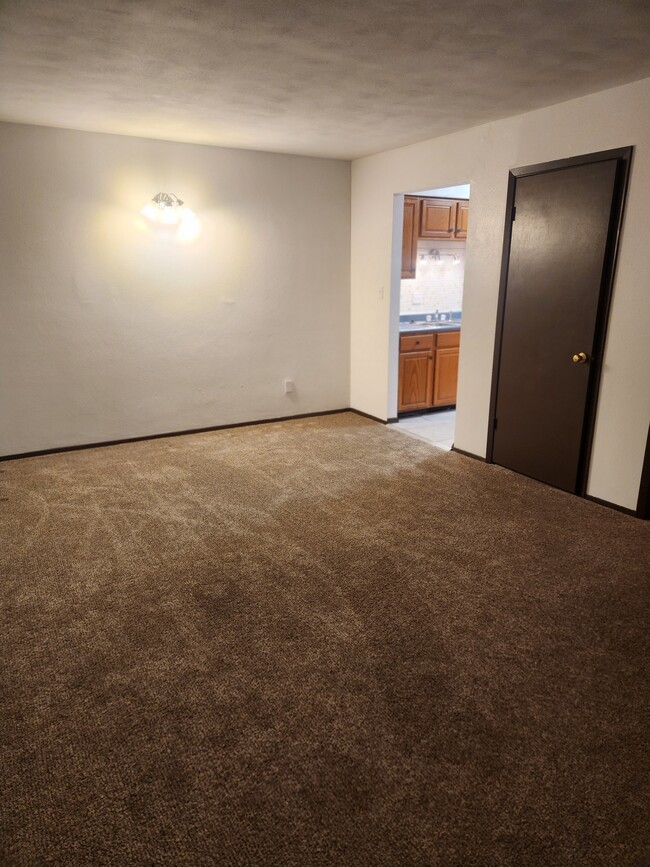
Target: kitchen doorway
{"type": "Point", "coordinates": [435, 224]}
{"type": "Point", "coordinates": [562, 230]}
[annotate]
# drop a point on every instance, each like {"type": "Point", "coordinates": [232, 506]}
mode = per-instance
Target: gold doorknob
{"type": "Point", "coordinates": [579, 358]}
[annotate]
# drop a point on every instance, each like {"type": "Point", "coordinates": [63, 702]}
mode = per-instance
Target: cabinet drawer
{"type": "Point", "coordinates": [447, 339]}
{"type": "Point", "coordinates": [415, 342]}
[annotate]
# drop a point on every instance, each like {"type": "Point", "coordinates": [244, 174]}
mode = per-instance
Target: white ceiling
{"type": "Point", "coordinates": [330, 78]}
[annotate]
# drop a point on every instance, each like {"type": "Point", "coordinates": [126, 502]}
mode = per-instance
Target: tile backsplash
{"type": "Point", "coordinates": [437, 285]}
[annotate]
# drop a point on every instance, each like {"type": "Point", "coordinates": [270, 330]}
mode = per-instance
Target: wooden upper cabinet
{"type": "Point", "coordinates": [410, 236]}
{"type": "Point", "coordinates": [415, 380]}
{"type": "Point", "coordinates": [438, 218]}
{"type": "Point", "coordinates": [443, 219]}
{"type": "Point", "coordinates": [462, 218]}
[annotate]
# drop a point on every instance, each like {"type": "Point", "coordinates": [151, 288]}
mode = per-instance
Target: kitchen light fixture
{"type": "Point", "coordinates": [436, 256]}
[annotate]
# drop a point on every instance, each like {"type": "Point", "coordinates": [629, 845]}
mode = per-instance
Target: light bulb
{"type": "Point", "coordinates": [151, 211]}
{"type": "Point", "coordinates": [170, 216]}
{"type": "Point", "coordinates": [190, 226]}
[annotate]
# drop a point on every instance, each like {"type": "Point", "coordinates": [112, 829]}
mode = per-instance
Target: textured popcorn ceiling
{"type": "Point", "coordinates": [330, 78]}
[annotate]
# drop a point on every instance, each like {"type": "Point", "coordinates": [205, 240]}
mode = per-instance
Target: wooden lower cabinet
{"type": "Point", "coordinates": [415, 380]}
{"type": "Point", "coordinates": [445, 378]}
{"type": "Point", "coordinates": [428, 370]}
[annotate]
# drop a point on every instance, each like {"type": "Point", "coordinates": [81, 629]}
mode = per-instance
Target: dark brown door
{"type": "Point", "coordinates": [554, 289]}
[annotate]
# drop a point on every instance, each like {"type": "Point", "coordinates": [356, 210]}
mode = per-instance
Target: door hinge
{"type": "Point", "coordinates": [513, 216]}
{"type": "Point", "coordinates": [494, 424]}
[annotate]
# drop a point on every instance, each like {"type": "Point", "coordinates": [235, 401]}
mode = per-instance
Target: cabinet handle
{"type": "Point", "coordinates": [417, 342]}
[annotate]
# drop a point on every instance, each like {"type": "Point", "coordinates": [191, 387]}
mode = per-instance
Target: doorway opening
{"type": "Point", "coordinates": [434, 225]}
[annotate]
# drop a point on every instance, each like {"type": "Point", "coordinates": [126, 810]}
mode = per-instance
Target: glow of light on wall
{"type": "Point", "coordinates": [183, 267]}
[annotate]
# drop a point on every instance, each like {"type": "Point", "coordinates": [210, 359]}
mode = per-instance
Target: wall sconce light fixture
{"type": "Point", "coordinates": [166, 208]}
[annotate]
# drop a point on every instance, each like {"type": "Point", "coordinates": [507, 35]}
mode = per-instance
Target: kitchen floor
{"type": "Point", "coordinates": [436, 428]}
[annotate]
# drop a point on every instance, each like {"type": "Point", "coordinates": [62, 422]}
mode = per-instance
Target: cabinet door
{"type": "Point", "coordinates": [462, 218]}
{"type": "Point", "coordinates": [438, 218]}
{"type": "Point", "coordinates": [415, 380]}
{"type": "Point", "coordinates": [446, 376]}
{"type": "Point", "coordinates": [410, 236]}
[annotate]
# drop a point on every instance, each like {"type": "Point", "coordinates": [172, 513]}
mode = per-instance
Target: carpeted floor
{"type": "Point", "coordinates": [318, 642]}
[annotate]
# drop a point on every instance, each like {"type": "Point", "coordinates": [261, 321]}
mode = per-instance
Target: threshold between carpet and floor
{"type": "Point", "coordinates": [318, 642]}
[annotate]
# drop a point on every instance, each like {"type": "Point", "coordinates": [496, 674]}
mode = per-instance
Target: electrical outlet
{"type": "Point", "coordinates": [288, 386]}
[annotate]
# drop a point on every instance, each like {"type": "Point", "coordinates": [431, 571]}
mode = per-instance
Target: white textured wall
{"type": "Point", "coordinates": [111, 330]}
{"type": "Point", "coordinates": [483, 156]}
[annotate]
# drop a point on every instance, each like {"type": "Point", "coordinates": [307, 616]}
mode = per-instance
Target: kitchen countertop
{"type": "Point", "coordinates": [409, 328]}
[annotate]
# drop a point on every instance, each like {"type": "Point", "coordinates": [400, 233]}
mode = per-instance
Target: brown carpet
{"type": "Point", "coordinates": [318, 642]}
